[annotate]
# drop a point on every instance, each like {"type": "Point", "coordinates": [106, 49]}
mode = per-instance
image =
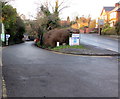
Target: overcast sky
{"type": "Point", "coordinates": [76, 7]}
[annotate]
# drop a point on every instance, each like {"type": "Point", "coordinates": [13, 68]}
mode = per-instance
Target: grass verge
{"type": "Point", "coordinates": [68, 46]}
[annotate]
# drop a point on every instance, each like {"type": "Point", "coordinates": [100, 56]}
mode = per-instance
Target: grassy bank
{"type": "Point", "coordinates": [68, 46]}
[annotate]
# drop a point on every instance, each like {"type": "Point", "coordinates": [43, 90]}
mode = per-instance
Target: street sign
{"type": "Point", "coordinates": [75, 35]}
{"type": "Point", "coordinates": [3, 37]}
{"type": "Point", "coordinates": [3, 33]}
{"type": "Point", "coordinates": [100, 23]}
{"type": "Point", "coordinates": [74, 40]}
{"type": "Point", "coordinates": [7, 36]}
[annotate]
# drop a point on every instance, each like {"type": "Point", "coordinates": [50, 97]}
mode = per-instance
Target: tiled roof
{"type": "Point", "coordinates": [108, 8]}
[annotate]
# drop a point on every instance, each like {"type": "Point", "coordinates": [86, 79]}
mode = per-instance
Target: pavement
{"type": "Point", "coordinates": [33, 72]}
{"type": "Point", "coordinates": [100, 41]}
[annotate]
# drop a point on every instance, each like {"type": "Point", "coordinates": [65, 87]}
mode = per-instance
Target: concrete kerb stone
{"type": "Point", "coordinates": [90, 54]}
{"type": "Point", "coordinates": [84, 54]}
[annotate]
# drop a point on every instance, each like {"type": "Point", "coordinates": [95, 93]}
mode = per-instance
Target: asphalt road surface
{"type": "Point", "coordinates": [100, 41]}
{"type": "Point", "coordinates": [33, 72]}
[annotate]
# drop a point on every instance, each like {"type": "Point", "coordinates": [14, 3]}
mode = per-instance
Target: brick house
{"type": "Point", "coordinates": [111, 15]}
{"type": "Point", "coordinates": [65, 23]}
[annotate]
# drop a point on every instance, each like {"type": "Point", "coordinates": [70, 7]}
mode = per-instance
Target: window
{"type": "Point", "coordinates": [113, 15]}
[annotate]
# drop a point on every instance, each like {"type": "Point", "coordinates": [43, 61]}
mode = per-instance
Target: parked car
{"type": "Point", "coordinates": [95, 30]}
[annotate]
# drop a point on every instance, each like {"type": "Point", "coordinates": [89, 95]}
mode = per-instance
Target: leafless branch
{"type": "Point", "coordinates": [51, 6]}
{"type": "Point", "coordinates": [63, 2]}
{"type": "Point", "coordinates": [63, 8]}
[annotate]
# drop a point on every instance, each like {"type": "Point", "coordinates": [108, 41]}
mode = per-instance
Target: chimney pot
{"type": "Point", "coordinates": [117, 4]}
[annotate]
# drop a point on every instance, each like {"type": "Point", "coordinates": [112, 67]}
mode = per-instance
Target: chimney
{"type": "Point", "coordinates": [117, 4]}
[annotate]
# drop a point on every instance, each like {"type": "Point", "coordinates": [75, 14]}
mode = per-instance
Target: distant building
{"type": "Point", "coordinates": [81, 22]}
{"type": "Point", "coordinates": [111, 15]}
{"type": "Point", "coordinates": [85, 25]}
{"type": "Point", "coordinates": [65, 23]}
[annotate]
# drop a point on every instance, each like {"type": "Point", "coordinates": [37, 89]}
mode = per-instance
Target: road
{"type": "Point", "coordinates": [100, 41]}
{"type": "Point", "coordinates": [33, 72]}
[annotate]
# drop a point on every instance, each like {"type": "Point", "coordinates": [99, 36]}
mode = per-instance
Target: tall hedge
{"type": "Point", "coordinates": [117, 28]}
{"type": "Point", "coordinates": [14, 25]}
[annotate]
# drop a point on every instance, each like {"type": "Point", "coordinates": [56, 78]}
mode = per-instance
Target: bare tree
{"type": "Point", "coordinates": [6, 1]}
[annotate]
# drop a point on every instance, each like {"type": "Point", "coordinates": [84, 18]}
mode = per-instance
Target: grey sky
{"type": "Point", "coordinates": [76, 7]}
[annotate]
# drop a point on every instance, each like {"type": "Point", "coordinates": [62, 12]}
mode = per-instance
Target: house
{"type": "Point", "coordinates": [111, 15]}
{"type": "Point", "coordinates": [114, 15]}
{"type": "Point", "coordinates": [65, 23]}
{"type": "Point", "coordinates": [81, 22]}
{"type": "Point", "coordinates": [105, 13]}
{"type": "Point", "coordinates": [85, 25]}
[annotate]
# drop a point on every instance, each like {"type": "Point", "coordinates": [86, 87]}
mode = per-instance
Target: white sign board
{"type": "Point", "coordinates": [7, 36]}
{"type": "Point", "coordinates": [100, 21]}
{"type": "Point", "coordinates": [3, 37]}
{"type": "Point", "coordinates": [3, 33]}
{"type": "Point", "coordinates": [74, 40]}
{"type": "Point", "coordinates": [75, 35]}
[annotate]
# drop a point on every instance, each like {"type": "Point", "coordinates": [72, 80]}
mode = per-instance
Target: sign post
{"type": "Point", "coordinates": [100, 23]}
{"type": "Point", "coordinates": [58, 44]}
{"type": "Point", "coordinates": [7, 37]}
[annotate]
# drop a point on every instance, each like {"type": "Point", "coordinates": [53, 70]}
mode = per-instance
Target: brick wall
{"type": "Point", "coordinates": [86, 30]}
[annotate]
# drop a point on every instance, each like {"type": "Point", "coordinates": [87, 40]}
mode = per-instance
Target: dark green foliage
{"type": "Point", "coordinates": [49, 21]}
{"type": "Point", "coordinates": [20, 29]}
{"type": "Point", "coordinates": [38, 44]}
{"type": "Point", "coordinates": [107, 30]}
{"type": "Point", "coordinates": [117, 28]}
{"type": "Point", "coordinates": [73, 22]}
{"type": "Point", "coordinates": [14, 26]}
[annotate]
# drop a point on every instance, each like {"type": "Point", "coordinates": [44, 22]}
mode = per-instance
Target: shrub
{"type": "Point", "coordinates": [38, 44]}
{"type": "Point", "coordinates": [56, 35]}
{"type": "Point", "coordinates": [117, 28]}
{"type": "Point", "coordinates": [107, 30]}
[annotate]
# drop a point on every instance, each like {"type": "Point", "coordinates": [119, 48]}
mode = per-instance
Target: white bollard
{"type": "Point", "coordinates": [58, 44]}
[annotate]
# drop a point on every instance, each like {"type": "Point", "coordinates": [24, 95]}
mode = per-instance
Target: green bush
{"type": "Point", "coordinates": [109, 31]}
{"type": "Point", "coordinates": [117, 28]}
{"type": "Point", "coordinates": [38, 44]}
